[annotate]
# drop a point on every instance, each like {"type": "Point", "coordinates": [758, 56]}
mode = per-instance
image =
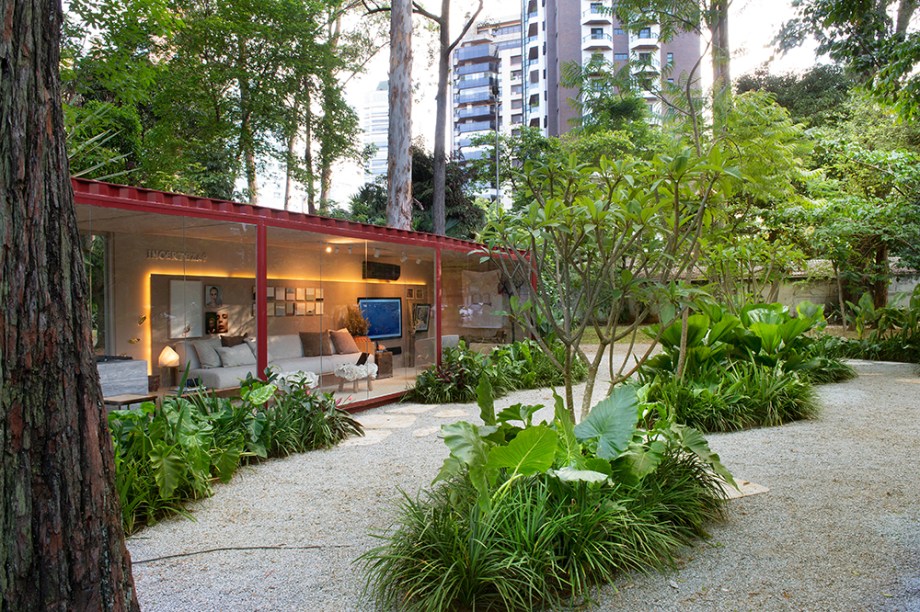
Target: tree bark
{"type": "Point", "coordinates": [399, 139]}
{"type": "Point", "coordinates": [308, 150]}
{"type": "Point", "coordinates": [247, 138]}
{"type": "Point", "coordinates": [62, 544]}
{"type": "Point", "coordinates": [721, 61]}
{"type": "Point", "coordinates": [439, 163]}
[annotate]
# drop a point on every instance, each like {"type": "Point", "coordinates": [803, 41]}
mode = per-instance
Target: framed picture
{"type": "Point", "coordinates": [269, 293]}
{"type": "Point", "coordinates": [420, 315]}
{"type": "Point", "coordinates": [410, 293]}
{"type": "Point", "coordinates": [213, 296]}
{"type": "Point", "coordinates": [289, 309]}
{"type": "Point", "coordinates": [420, 293]}
{"type": "Point", "coordinates": [300, 308]}
{"type": "Point", "coordinates": [210, 323]}
{"type": "Point", "coordinates": [186, 309]}
{"type": "Point", "coordinates": [319, 294]}
{"type": "Point", "coordinates": [318, 308]}
{"type": "Point", "coordinates": [279, 309]}
{"type": "Point", "coordinates": [290, 294]}
{"type": "Point", "coordinates": [223, 321]}
{"type": "Point", "coordinates": [309, 294]}
{"type": "Point", "coordinates": [300, 294]}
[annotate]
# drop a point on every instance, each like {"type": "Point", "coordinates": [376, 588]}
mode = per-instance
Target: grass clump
{"type": "Point", "coordinates": [529, 515]}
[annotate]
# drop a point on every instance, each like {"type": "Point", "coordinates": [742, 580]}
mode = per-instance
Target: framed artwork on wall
{"type": "Point", "coordinates": [420, 315]}
{"type": "Point", "coordinates": [213, 296]}
{"type": "Point", "coordinates": [186, 309]}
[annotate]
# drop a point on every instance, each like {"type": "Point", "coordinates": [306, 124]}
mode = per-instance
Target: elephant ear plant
{"type": "Point", "coordinates": [523, 514]}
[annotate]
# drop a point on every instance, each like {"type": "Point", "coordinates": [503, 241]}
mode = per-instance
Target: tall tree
{"type": "Point", "coordinates": [445, 48]}
{"type": "Point", "coordinates": [674, 17]}
{"type": "Point", "coordinates": [399, 137]}
{"type": "Point", "coordinates": [878, 40]}
{"type": "Point", "coordinates": [62, 540]}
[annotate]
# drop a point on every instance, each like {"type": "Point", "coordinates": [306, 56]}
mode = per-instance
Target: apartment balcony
{"type": "Point", "coordinates": [645, 63]}
{"type": "Point", "coordinates": [599, 41]}
{"type": "Point", "coordinates": [471, 98]}
{"type": "Point", "coordinates": [532, 40]}
{"type": "Point", "coordinates": [475, 112]}
{"type": "Point", "coordinates": [475, 67]}
{"type": "Point", "coordinates": [647, 38]}
{"type": "Point", "coordinates": [475, 126]}
{"type": "Point", "coordinates": [465, 54]}
{"type": "Point", "coordinates": [473, 83]}
{"type": "Point", "coordinates": [597, 16]}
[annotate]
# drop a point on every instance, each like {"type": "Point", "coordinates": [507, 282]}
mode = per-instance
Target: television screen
{"type": "Point", "coordinates": [384, 316]}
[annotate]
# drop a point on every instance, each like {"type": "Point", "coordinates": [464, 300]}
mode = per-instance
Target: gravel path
{"type": "Point", "coordinates": [838, 529]}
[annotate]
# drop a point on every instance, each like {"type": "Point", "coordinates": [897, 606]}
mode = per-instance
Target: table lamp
{"type": "Point", "coordinates": [169, 360]}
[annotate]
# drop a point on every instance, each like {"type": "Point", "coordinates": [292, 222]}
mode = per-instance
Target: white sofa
{"type": "Point", "coordinates": [285, 354]}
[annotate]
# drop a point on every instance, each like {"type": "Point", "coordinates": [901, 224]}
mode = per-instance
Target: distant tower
{"type": "Point", "coordinates": [374, 125]}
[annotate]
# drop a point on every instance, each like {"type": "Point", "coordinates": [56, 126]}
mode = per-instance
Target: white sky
{"type": "Point", "coordinates": [752, 26]}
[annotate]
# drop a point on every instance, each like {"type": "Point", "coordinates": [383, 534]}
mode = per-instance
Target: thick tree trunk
{"type": "Point", "coordinates": [399, 139]}
{"type": "Point", "coordinates": [62, 544]}
{"type": "Point", "coordinates": [882, 272]}
{"type": "Point", "coordinates": [439, 163]}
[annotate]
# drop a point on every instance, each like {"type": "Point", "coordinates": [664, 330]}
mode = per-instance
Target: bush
{"type": "Point", "coordinates": [886, 334]}
{"type": "Point", "coordinates": [519, 365]}
{"type": "Point", "coordinates": [528, 515]}
{"type": "Point", "coordinates": [167, 455]}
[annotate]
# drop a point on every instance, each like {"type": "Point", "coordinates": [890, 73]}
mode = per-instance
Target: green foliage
{"type": "Point", "coordinates": [169, 454]}
{"type": "Point", "coordinates": [747, 371]}
{"type": "Point", "coordinates": [519, 365]}
{"type": "Point", "coordinates": [883, 52]}
{"type": "Point", "coordinates": [530, 516]}
{"type": "Point", "coordinates": [889, 333]}
{"type": "Point", "coordinates": [813, 98]}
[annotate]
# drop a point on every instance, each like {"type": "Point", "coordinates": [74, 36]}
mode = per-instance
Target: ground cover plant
{"type": "Point", "coordinates": [735, 372]}
{"type": "Point", "coordinates": [524, 515]}
{"type": "Point", "coordinates": [169, 454]}
{"type": "Point", "coordinates": [519, 365]}
{"type": "Point", "coordinates": [888, 333]}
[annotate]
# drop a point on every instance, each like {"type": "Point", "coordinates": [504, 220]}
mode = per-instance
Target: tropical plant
{"type": "Point", "coordinates": [528, 514]}
{"type": "Point", "coordinates": [166, 455]}
{"type": "Point", "coordinates": [355, 322]}
{"type": "Point", "coordinates": [889, 333]}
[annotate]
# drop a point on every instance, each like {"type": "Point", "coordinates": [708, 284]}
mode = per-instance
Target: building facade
{"type": "Point", "coordinates": [374, 126]}
{"type": "Point", "coordinates": [517, 65]}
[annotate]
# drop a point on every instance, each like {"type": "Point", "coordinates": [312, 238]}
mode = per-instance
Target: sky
{"type": "Point", "coordinates": [752, 26]}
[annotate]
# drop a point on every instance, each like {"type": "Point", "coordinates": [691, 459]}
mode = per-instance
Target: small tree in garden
{"type": "Point", "coordinates": [602, 239]}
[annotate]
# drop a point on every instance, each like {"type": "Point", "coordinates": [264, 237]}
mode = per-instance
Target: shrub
{"type": "Point", "coordinates": [887, 334]}
{"type": "Point", "coordinates": [527, 515]}
{"type": "Point", "coordinates": [519, 365]}
{"type": "Point", "coordinates": [167, 455]}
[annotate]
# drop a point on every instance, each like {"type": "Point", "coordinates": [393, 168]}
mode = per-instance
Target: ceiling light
{"type": "Point", "coordinates": [328, 249]}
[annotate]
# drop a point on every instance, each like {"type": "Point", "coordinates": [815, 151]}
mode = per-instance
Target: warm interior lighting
{"type": "Point", "coordinates": [169, 358]}
{"type": "Point", "coordinates": [328, 249]}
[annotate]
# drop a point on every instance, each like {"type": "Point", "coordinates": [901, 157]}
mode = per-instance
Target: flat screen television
{"type": "Point", "coordinates": [384, 316]}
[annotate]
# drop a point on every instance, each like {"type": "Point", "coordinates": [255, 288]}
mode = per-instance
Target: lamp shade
{"type": "Point", "coordinates": [169, 358]}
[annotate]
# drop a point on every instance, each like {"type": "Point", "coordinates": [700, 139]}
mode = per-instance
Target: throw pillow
{"type": "Point", "coordinates": [343, 342]}
{"type": "Point", "coordinates": [315, 344]}
{"type": "Point", "coordinates": [232, 340]}
{"type": "Point", "coordinates": [207, 352]}
{"type": "Point", "coordinates": [233, 356]}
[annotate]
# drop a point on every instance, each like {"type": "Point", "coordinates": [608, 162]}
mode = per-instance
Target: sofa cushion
{"type": "Point", "coordinates": [316, 344]}
{"type": "Point", "coordinates": [232, 340]}
{"type": "Point", "coordinates": [235, 356]}
{"type": "Point", "coordinates": [287, 346]}
{"type": "Point", "coordinates": [207, 352]}
{"type": "Point", "coordinates": [343, 342]}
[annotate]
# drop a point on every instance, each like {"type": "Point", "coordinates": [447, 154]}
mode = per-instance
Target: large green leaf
{"type": "Point", "coordinates": [226, 460]}
{"type": "Point", "coordinates": [168, 468]}
{"type": "Point", "coordinates": [568, 474]}
{"type": "Point", "coordinates": [486, 401]}
{"type": "Point", "coordinates": [519, 412]}
{"type": "Point", "coordinates": [769, 334]}
{"type": "Point", "coordinates": [569, 450]}
{"type": "Point", "coordinates": [531, 452]}
{"type": "Point", "coordinates": [692, 440]}
{"type": "Point", "coordinates": [612, 422]}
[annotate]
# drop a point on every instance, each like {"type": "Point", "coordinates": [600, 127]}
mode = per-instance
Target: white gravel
{"type": "Point", "coordinates": [839, 528]}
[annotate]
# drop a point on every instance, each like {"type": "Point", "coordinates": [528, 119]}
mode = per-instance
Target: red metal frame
{"type": "Point", "coordinates": [261, 302]}
{"type": "Point", "coordinates": [437, 306]}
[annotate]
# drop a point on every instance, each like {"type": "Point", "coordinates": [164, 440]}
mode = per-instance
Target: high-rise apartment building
{"type": "Point", "coordinates": [516, 65]}
{"type": "Point", "coordinates": [374, 125]}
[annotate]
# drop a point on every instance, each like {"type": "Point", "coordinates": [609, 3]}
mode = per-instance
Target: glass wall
{"type": "Point", "coordinates": [165, 288]}
{"type": "Point", "coordinates": [474, 296]}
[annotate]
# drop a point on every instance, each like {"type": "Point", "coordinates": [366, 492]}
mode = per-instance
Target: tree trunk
{"type": "Point", "coordinates": [399, 139]}
{"type": "Point", "coordinates": [840, 298]}
{"type": "Point", "coordinates": [325, 184]}
{"type": "Point", "coordinates": [906, 10]}
{"type": "Point", "coordinates": [882, 272]}
{"type": "Point", "coordinates": [439, 163]}
{"type": "Point", "coordinates": [289, 158]}
{"type": "Point", "coordinates": [721, 61]}
{"type": "Point", "coordinates": [308, 150]}
{"type": "Point", "coordinates": [247, 138]}
{"type": "Point", "coordinates": [62, 545]}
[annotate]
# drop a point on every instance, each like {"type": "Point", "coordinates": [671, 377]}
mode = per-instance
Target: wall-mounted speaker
{"type": "Point", "coordinates": [380, 271]}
